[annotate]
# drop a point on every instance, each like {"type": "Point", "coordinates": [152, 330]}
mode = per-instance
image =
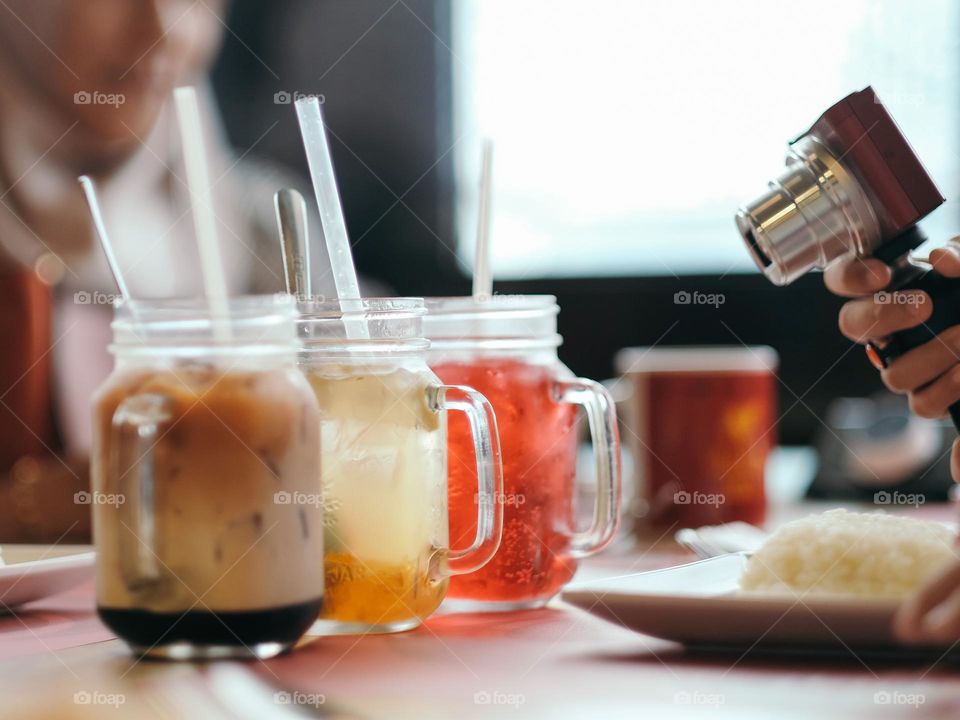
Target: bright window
{"type": "Point", "coordinates": [627, 132]}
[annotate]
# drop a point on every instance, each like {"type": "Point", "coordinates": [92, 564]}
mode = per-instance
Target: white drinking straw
{"type": "Point", "coordinates": [331, 216]}
{"type": "Point", "coordinates": [201, 203]}
{"type": "Point", "coordinates": [482, 275]}
{"type": "Point", "coordinates": [90, 191]}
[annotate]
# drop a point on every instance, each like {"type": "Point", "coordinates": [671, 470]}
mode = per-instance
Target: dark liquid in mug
{"type": "Point", "coordinates": [145, 629]}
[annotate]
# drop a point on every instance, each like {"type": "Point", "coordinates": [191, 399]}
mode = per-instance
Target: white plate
{"type": "Point", "coordinates": [33, 572]}
{"type": "Point", "coordinates": [697, 605]}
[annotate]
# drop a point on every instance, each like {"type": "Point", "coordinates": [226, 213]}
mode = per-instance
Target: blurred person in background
{"type": "Point", "coordinates": [84, 89]}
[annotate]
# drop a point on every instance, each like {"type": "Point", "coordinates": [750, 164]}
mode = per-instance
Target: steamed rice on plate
{"type": "Point", "coordinates": [850, 554]}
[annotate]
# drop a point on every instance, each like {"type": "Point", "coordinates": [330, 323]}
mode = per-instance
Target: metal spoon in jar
{"type": "Point", "coordinates": [291, 211]}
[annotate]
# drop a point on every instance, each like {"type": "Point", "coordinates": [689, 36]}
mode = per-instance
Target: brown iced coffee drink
{"type": "Point", "coordinates": [210, 530]}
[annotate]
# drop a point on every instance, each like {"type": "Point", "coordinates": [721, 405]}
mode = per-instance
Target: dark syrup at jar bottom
{"type": "Point", "coordinates": [283, 624]}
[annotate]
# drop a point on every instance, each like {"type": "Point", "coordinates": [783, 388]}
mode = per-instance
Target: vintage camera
{"type": "Point", "coordinates": [853, 186]}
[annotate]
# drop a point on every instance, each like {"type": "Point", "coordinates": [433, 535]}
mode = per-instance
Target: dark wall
{"type": "Point", "coordinates": [383, 68]}
{"type": "Point", "coordinates": [600, 316]}
{"type": "Point", "coordinates": [385, 71]}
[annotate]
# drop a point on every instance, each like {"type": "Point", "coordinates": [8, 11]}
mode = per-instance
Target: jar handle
{"type": "Point", "coordinates": [602, 419]}
{"type": "Point", "coordinates": [486, 444]}
{"type": "Point", "coordinates": [131, 475]}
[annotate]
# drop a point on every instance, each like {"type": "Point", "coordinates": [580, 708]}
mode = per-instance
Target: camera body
{"type": "Point", "coordinates": [853, 186]}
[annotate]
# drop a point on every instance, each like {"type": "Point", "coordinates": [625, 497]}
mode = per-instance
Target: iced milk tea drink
{"type": "Point", "coordinates": [384, 467]}
{"type": "Point", "coordinates": [206, 454]}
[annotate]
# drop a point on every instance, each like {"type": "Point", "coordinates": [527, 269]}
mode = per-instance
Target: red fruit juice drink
{"type": "Point", "coordinates": [505, 347]}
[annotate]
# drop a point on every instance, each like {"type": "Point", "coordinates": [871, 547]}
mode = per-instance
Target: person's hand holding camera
{"type": "Point", "coordinates": [930, 376]}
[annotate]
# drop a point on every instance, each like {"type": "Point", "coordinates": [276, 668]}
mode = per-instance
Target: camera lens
{"type": "Point", "coordinates": [754, 246]}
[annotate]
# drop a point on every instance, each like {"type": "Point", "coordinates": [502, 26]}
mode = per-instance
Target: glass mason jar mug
{"type": "Point", "coordinates": [384, 465]}
{"type": "Point", "coordinates": [204, 424]}
{"type": "Point", "coordinates": [506, 347]}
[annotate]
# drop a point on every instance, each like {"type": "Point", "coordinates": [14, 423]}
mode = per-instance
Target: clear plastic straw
{"type": "Point", "coordinates": [90, 191]}
{"type": "Point", "coordinates": [331, 216]}
{"type": "Point", "coordinates": [201, 203]}
{"type": "Point", "coordinates": [482, 274]}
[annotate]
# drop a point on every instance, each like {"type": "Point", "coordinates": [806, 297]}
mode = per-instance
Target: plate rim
{"type": "Point", "coordinates": [735, 599]}
{"type": "Point", "coordinates": [79, 559]}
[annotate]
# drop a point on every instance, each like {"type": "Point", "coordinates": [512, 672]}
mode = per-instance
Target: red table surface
{"type": "Point", "coordinates": [557, 662]}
